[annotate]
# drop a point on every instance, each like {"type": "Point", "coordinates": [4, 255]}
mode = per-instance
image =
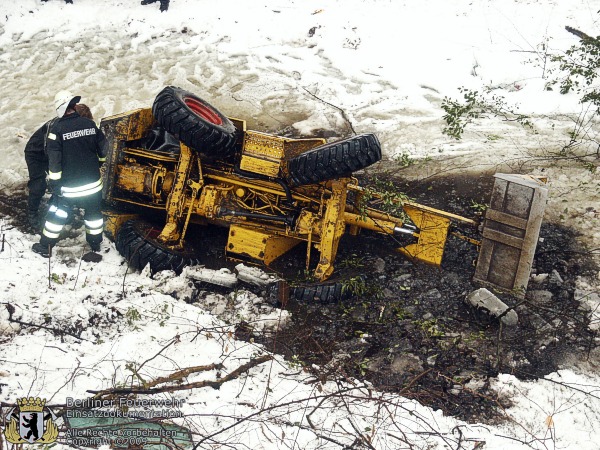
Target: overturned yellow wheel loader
{"type": "Point", "coordinates": [184, 162]}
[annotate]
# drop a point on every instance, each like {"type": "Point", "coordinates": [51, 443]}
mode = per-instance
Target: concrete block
{"type": "Point", "coordinates": [484, 299]}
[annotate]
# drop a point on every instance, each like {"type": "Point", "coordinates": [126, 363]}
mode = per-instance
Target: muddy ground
{"type": "Point", "coordinates": [410, 331]}
{"type": "Point", "coordinates": [414, 334]}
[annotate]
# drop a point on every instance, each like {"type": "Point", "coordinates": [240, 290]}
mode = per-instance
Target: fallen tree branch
{"type": "Point", "coordinates": [78, 269]}
{"type": "Point", "coordinates": [361, 438]}
{"type": "Point", "coordinates": [184, 373]}
{"type": "Point", "coordinates": [199, 384]}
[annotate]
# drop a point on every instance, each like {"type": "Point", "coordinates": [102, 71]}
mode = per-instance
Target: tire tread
{"type": "Point", "coordinates": [334, 160]}
{"type": "Point", "coordinates": [200, 135]}
{"type": "Point", "coordinates": [139, 250]}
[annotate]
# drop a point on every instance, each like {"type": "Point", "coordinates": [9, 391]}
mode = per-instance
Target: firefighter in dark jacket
{"type": "Point", "coordinates": [76, 148]}
{"type": "Point", "coordinates": [36, 158]}
{"type": "Point", "coordinates": [37, 166]}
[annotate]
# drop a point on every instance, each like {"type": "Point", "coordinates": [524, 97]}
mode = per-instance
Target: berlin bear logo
{"type": "Point", "coordinates": [33, 423]}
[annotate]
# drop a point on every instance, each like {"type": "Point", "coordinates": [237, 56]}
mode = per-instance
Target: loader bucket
{"type": "Point", "coordinates": [433, 231]}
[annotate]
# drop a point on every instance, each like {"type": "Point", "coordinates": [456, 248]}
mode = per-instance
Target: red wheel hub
{"type": "Point", "coordinates": [152, 233]}
{"type": "Point", "coordinates": [202, 110]}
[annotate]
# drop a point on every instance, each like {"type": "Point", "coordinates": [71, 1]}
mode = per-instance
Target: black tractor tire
{"type": "Point", "coordinates": [334, 160]}
{"type": "Point", "coordinates": [194, 122]}
{"type": "Point", "coordinates": [326, 292]}
{"type": "Point", "coordinates": [136, 242]}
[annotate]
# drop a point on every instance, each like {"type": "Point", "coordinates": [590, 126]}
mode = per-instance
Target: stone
{"type": "Point", "coordinates": [456, 389]}
{"type": "Point", "coordinates": [484, 299]}
{"type": "Point", "coordinates": [337, 361]}
{"type": "Point", "coordinates": [376, 364]}
{"type": "Point", "coordinates": [590, 302]}
{"type": "Point", "coordinates": [406, 363]}
{"type": "Point", "coordinates": [433, 293]}
{"type": "Point", "coordinates": [254, 276]}
{"type": "Point", "coordinates": [222, 277]}
{"type": "Point", "coordinates": [403, 277]}
{"type": "Point", "coordinates": [540, 297]}
{"type": "Point", "coordinates": [378, 265]}
{"type": "Point", "coordinates": [555, 277]}
{"type": "Point", "coordinates": [388, 293]}
{"type": "Point", "coordinates": [539, 278]}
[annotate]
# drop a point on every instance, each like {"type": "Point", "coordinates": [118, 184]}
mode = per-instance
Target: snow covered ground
{"type": "Point", "coordinates": [288, 67]}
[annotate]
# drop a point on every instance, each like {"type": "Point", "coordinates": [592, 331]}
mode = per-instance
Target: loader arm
{"type": "Point", "coordinates": [430, 226]}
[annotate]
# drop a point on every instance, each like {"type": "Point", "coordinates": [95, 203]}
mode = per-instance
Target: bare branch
{"type": "Point", "coordinates": [200, 384]}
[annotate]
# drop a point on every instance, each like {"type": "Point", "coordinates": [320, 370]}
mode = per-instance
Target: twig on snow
{"type": "Point", "coordinates": [49, 271]}
{"type": "Point", "coordinates": [171, 342]}
{"type": "Point", "coordinates": [78, 270]}
{"type": "Point", "coordinates": [11, 309]}
{"type": "Point", "coordinates": [199, 384]}
{"type": "Point", "coordinates": [270, 408]}
{"type": "Point", "coordinates": [344, 115]}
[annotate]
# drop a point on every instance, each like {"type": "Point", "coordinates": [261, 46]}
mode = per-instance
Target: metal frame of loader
{"type": "Point", "coordinates": [265, 216]}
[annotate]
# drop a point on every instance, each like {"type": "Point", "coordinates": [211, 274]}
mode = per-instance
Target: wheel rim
{"type": "Point", "coordinates": [152, 233]}
{"type": "Point", "coordinates": [203, 111]}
